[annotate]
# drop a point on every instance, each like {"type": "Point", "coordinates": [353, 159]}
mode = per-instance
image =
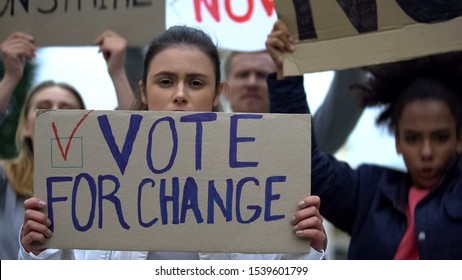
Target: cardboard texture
{"type": "Point", "coordinates": [76, 23]}
{"type": "Point", "coordinates": [341, 34]}
{"type": "Point", "coordinates": [167, 181]}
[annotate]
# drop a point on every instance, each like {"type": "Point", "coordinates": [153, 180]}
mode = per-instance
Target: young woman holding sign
{"type": "Point", "coordinates": [181, 73]}
{"type": "Point", "coordinates": [388, 213]}
{"type": "Point", "coordinates": [16, 175]}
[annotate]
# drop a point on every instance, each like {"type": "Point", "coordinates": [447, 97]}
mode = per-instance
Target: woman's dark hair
{"type": "Point", "coordinates": [394, 85]}
{"type": "Point", "coordinates": [183, 35]}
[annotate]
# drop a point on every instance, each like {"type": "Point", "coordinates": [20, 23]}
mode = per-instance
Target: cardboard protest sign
{"type": "Point", "coordinates": [168, 181]}
{"type": "Point", "coordinates": [345, 33]}
{"type": "Point", "coordinates": [75, 23]}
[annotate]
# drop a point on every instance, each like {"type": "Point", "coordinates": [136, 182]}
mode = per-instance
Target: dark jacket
{"type": "Point", "coordinates": [369, 203]}
{"type": "Point", "coordinates": [11, 218]}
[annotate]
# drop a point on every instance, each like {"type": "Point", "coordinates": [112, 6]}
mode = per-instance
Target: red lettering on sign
{"type": "Point", "coordinates": [212, 7]}
{"type": "Point", "coordinates": [269, 6]}
{"type": "Point", "coordinates": [237, 18]}
{"type": "Point", "coordinates": [58, 139]}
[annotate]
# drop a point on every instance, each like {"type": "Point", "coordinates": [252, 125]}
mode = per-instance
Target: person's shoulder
{"type": "Point", "coordinates": [381, 172]}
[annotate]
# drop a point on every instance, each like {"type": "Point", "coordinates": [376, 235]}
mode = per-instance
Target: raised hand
{"type": "Point", "coordinates": [14, 51]}
{"type": "Point", "coordinates": [114, 48]}
{"type": "Point", "coordinates": [278, 42]}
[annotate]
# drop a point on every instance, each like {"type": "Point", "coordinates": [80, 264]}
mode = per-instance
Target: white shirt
{"type": "Point", "coordinates": [71, 254]}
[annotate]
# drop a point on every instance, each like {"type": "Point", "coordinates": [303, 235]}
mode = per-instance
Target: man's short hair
{"type": "Point", "coordinates": [229, 57]}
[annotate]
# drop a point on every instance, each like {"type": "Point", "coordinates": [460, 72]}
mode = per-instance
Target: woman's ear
{"type": "Point", "coordinates": [222, 89]}
{"type": "Point", "coordinates": [143, 93]}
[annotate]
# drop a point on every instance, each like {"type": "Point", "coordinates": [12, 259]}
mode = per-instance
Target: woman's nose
{"type": "Point", "coordinates": [427, 150]}
{"type": "Point", "coordinates": [180, 95]}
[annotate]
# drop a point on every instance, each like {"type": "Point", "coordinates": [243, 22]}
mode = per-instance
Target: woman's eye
{"type": "Point", "coordinates": [43, 106]}
{"type": "Point", "coordinates": [196, 84]}
{"type": "Point", "coordinates": [410, 139]}
{"type": "Point", "coordinates": [441, 138]}
{"type": "Point", "coordinates": [164, 82]}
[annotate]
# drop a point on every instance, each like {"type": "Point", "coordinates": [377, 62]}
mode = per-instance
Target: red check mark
{"type": "Point", "coordinates": [269, 6]}
{"type": "Point", "coordinates": [55, 130]}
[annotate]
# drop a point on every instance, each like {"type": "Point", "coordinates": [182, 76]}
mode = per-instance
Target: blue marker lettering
{"type": "Point", "coordinates": [213, 196]}
{"type": "Point", "coordinates": [121, 158]}
{"type": "Point", "coordinates": [92, 187]}
{"type": "Point", "coordinates": [143, 183]}
{"type": "Point", "coordinates": [270, 197]}
{"type": "Point", "coordinates": [174, 198]}
{"type": "Point", "coordinates": [112, 198]}
{"type": "Point", "coordinates": [256, 208]}
{"type": "Point", "coordinates": [190, 201]}
{"type": "Point", "coordinates": [234, 140]}
{"type": "Point", "coordinates": [198, 119]}
{"type": "Point", "coordinates": [51, 199]}
{"type": "Point", "coordinates": [174, 149]}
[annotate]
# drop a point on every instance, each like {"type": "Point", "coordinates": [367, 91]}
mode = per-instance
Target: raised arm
{"type": "Point", "coordinates": [337, 116]}
{"type": "Point", "coordinates": [114, 48]}
{"type": "Point", "coordinates": [292, 99]}
{"type": "Point", "coordinates": [14, 50]}
{"type": "Point", "coordinates": [340, 111]}
{"type": "Point", "coordinates": [334, 182]}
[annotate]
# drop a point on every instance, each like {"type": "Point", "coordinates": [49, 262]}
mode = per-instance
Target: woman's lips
{"type": "Point", "coordinates": [427, 173]}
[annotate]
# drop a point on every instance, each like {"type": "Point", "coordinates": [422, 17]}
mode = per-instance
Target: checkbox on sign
{"type": "Point", "coordinates": [73, 157]}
